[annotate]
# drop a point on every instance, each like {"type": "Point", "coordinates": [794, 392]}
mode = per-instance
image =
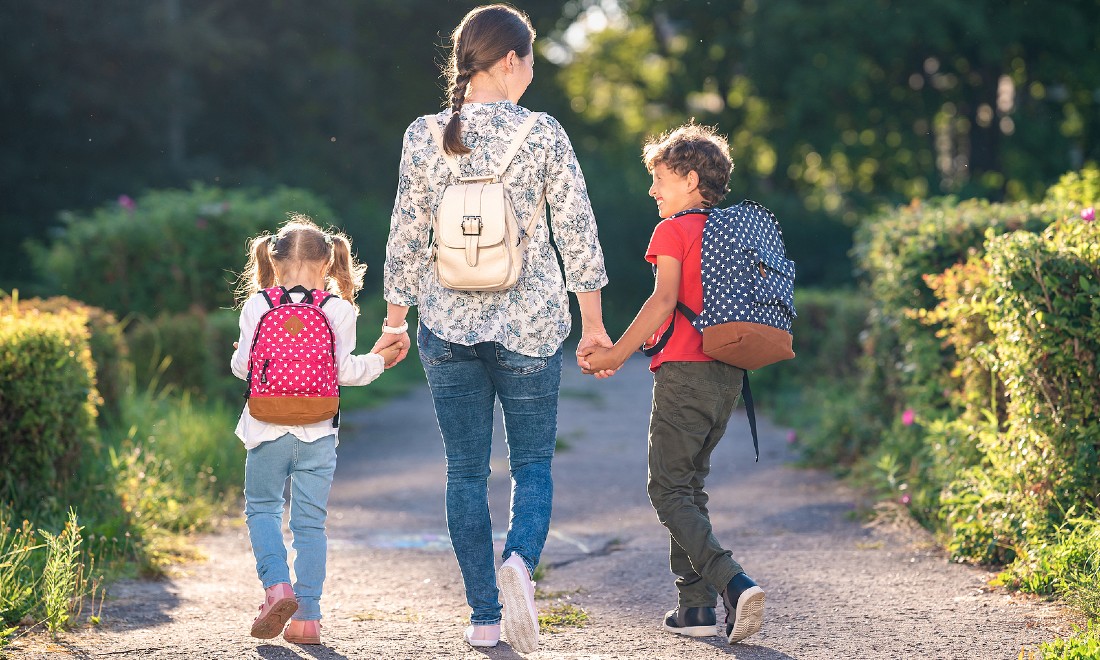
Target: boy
{"type": "Point", "coordinates": [693, 395]}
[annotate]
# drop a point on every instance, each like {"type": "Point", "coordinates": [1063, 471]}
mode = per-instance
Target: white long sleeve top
{"type": "Point", "coordinates": [351, 369]}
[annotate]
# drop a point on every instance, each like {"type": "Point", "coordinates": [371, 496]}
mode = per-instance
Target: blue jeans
{"type": "Point", "coordinates": [465, 382]}
{"type": "Point", "coordinates": [309, 466]}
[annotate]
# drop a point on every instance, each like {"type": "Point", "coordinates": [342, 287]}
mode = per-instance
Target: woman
{"type": "Point", "coordinates": [479, 347]}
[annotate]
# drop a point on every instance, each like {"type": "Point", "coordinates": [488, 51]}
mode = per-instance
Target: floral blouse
{"type": "Point", "coordinates": [531, 318]}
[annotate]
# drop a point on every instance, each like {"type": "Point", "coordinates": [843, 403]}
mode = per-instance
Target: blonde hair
{"type": "Point", "coordinates": [301, 241]}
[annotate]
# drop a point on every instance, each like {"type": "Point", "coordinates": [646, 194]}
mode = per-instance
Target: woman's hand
{"type": "Point", "coordinates": [589, 342]}
{"type": "Point", "coordinates": [602, 362]}
{"type": "Point", "coordinates": [392, 347]}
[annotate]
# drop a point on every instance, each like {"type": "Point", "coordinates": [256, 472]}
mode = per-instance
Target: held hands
{"type": "Point", "coordinates": [596, 345]}
{"type": "Point", "coordinates": [392, 348]}
{"type": "Point", "coordinates": [602, 362]}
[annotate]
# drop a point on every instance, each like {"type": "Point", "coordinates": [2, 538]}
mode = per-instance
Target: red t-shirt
{"type": "Point", "coordinates": [682, 239]}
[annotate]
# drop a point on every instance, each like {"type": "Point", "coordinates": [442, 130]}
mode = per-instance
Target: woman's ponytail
{"type": "Point", "coordinates": [484, 36]}
{"type": "Point", "coordinates": [452, 134]}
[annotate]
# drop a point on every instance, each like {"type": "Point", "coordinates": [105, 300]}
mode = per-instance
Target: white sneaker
{"type": "Point", "coordinates": [520, 620]}
{"type": "Point", "coordinates": [479, 636]}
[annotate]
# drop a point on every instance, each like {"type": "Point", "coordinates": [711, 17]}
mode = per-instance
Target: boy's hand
{"type": "Point", "coordinates": [588, 342]}
{"type": "Point", "coordinates": [602, 362]}
{"type": "Point", "coordinates": [390, 353]}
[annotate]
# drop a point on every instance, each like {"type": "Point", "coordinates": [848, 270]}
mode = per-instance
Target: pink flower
{"type": "Point", "coordinates": [1089, 214]}
{"type": "Point", "coordinates": [905, 499]}
{"type": "Point", "coordinates": [908, 417]}
{"type": "Point", "coordinates": [792, 437]}
{"type": "Point", "coordinates": [127, 203]}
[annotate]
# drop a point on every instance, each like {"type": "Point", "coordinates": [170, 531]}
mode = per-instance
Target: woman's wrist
{"type": "Point", "coordinates": [394, 330]}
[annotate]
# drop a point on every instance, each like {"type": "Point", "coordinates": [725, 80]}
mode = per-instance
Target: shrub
{"type": "Point", "coordinates": [105, 338]}
{"type": "Point", "coordinates": [810, 390]}
{"type": "Point", "coordinates": [188, 351]}
{"type": "Point", "coordinates": [826, 340]}
{"type": "Point", "coordinates": [895, 251]}
{"type": "Point", "coordinates": [1044, 297]}
{"type": "Point", "coordinates": [1018, 444]}
{"type": "Point", "coordinates": [47, 402]}
{"type": "Point", "coordinates": [907, 373]}
{"type": "Point", "coordinates": [169, 252]}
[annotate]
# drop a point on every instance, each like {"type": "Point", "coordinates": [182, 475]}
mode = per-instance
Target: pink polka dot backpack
{"type": "Point", "coordinates": [292, 377]}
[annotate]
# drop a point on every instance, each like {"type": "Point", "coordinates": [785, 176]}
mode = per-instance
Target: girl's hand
{"type": "Point", "coordinates": [393, 348]}
{"type": "Point", "coordinates": [391, 353]}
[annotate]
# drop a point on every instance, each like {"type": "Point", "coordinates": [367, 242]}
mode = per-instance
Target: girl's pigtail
{"type": "Point", "coordinates": [346, 274]}
{"type": "Point", "coordinates": [259, 271]}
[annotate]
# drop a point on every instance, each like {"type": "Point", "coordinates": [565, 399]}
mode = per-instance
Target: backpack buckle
{"type": "Point", "coordinates": [471, 225]}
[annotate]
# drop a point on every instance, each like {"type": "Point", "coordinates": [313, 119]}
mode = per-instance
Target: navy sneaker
{"type": "Point", "coordinates": [692, 621]}
{"type": "Point", "coordinates": [744, 601]}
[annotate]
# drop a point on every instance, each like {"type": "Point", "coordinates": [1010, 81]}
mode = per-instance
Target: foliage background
{"type": "Point", "coordinates": [907, 147]}
{"type": "Point", "coordinates": [831, 109]}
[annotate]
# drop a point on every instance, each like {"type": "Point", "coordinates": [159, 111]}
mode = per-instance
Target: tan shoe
{"type": "Point", "coordinates": [303, 632]}
{"type": "Point", "coordinates": [279, 604]}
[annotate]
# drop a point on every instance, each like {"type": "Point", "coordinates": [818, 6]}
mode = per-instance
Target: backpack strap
{"type": "Point", "coordinates": [433, 128]}
{"type": "Point", "coordinates": [513, 148]}
{"type": "Point", "coordinates": [688, 313]}
{"type": "Point", "coordinates": [746, 394]}
{"type": "Point", "coordinates": [286, 299]}
{"type": "Point", "coordinates": [267, 293]}
{"type": "Point", "coordinates": [517, 142]}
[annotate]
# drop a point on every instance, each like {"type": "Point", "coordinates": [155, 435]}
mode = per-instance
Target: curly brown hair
{"type": "Point", "coordinates": [693, 147]}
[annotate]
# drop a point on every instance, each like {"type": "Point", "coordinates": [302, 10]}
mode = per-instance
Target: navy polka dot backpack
{"type": "Point", "coordinates": [748, 292]}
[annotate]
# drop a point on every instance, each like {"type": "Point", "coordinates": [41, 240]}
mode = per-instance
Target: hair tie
{"type": "Point", "coordinates": [328, 239]}
{"type": "Point", "coordinates": [273, 240]}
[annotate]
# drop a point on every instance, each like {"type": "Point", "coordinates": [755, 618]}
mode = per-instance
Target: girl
{"type": "Point", "coordinates": [300, 257]}
{"type": "Point", "coordinates": [479, 347]}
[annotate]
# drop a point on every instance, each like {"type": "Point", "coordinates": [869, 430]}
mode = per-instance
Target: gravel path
{"type": "Point", "coordinates": [836, 588]}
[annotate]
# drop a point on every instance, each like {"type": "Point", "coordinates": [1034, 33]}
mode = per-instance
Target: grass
{"type": "Point", "coordinates": [169, 466]}
{"type": "Point", "coordinates": [561, 615]}
{"type": "Point", "coordinates": [1066, 565]}
{"type": "Point", "coordinates": [402, 615]}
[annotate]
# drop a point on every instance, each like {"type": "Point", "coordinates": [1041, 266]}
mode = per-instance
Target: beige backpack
{"type": "Point", "coordinates": [477, 246]}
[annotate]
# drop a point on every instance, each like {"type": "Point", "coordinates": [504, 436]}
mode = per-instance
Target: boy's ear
{"type": "Point", "coordinates": [692, 180]}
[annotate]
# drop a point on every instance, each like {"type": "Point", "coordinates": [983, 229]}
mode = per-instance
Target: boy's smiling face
{"type": "Point", "coordinates": [674, 192]}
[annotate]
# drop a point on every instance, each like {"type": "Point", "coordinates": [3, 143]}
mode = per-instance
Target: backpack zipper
{"type": "Point", "coordinates": [263, 373]}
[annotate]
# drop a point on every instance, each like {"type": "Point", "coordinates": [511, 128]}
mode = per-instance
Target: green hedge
{"type": "Point", "coordinates": [173, 251]}
{"type": "Point", "coordinates": [976, 402]}
{"type": "Point", "coordinates": [47, 402]}
{"type": "Point", "coordinates": [1040, 450]}
{"type": "Point", "coordinates": [110, 352]}
{"type": "Point", "coordinates": [894, 252]}
{"type": "Point", "coordinates": [188, 351]}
